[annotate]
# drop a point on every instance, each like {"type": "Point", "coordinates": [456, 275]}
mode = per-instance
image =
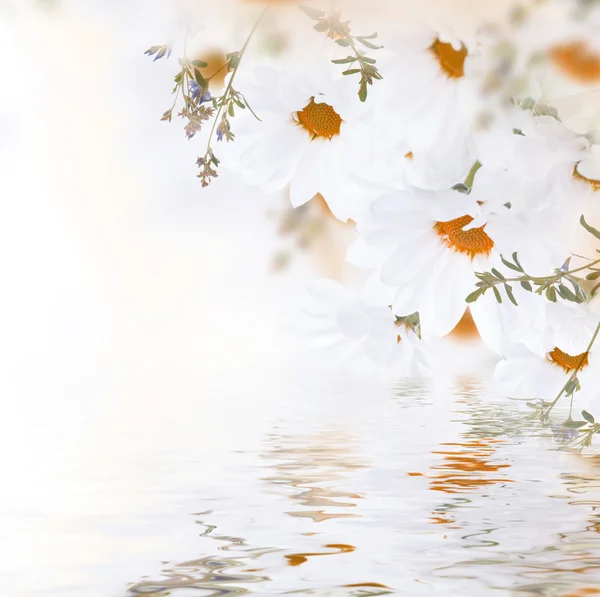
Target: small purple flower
{"type": "Point", "coordinates": [224, 130]}
{"type": "Point", "coordinates": [199, 94]}
{"type": "Point", "coordinates": [159, 51]}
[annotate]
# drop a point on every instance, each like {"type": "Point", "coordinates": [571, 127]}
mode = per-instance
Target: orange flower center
{"type": "Point", "coordinates": [566, 361]}
{"type": "Point", "coordinates": [471, 242]}
{"type": "Point", "coordinates": [452, 62]}
{"type": "Point", "coordinates": [595, 184]}
{"type": "Point", "coordinates": [215, 59]}
{"type": "Point", "coordinates": [576, 60]}
{"type": "Point", "coordinates": [320, 120]}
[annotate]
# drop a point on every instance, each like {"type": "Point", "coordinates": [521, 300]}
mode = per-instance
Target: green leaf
{"type": "Point", "coordinates": [595, 290]}
{"type": "Point", "coordinates": [589, 228]}
{"type": "Point", "coordinates": [199, 63]}
{"type": "Point", "coordinates": [368, 60]}
{"type": "Point", "coordinates": [551, 294]}
{"type": "Point", "coordinates": [346, 60]}
{"type": "Point", "coordinates": [313, 13]}
{"type": "Point", "coordinates": [509, 264]}
{"type": "Point", "coordinates": [510, 295]}
{"type": "Point", "coordinates": [368, 44]}
{"type": "Point", "coordinates": [200, 79]}
{"type": "Point", "coordinates": [351, 71]}
{"type": "Point", "coordinates": [372, 36]}
{"type": "Point", "coordinates": [526, 285]}
{"type": "Point", "coordinates": [321, 26]}
{"type": "Point", "coordinates": [231, 110]}
{"type": "Point", "coordinates": [588, 417]}
{"type": "Point", "coordinates": [570, 424]}
{"type": "Point", "coordinates": [497, 294]}
{"type": "Point", "coordinates": [498, 274]}
{"type": "Point", "coordinates": [474, 296]}
{"type": "Point", "coordinates": [516, 260]}
{"type": "Point", "coordinates": [362, 91]}
{"type": "Point", "coordinates": [342, 42]}
{"type": "Point", "coordinates": [593, 276]}
{"type": "Point", "coordinates": [566, 293]}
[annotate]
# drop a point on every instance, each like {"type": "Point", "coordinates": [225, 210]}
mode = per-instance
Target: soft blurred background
{"type": "Point", "coordinates": [152, 390]}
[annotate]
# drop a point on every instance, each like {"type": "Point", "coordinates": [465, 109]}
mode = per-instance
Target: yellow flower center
{"type": "Point", "coordinates": [470, 242]}
{"type": "Point", "coordinates": [452, 62]}
{"type": "Point", "coordinates": [566, 361]}
{"type": "Point", "coordinates": [320, 120]}
{"type": "Point", "coordinates": [595, 184]}
{"type": "Point", "coordinates": [577, 61]}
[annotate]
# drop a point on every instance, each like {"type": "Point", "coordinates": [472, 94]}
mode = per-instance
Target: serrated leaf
{"type": "Point", "coordinates": [588, 417]}
{"type": "Point", "coordinates": [589, 228]}
{"type": "Point", "coordinates": [497, 294]}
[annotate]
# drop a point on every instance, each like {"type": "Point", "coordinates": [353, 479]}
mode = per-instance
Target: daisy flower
{"type": "Point", "coordinates": [337, 321]}
{"type": "Point", "coordinates": [425, 248]}
{"type": "Point", "coordinates": [312, 137]}
{"type": "Point", "coordinates": [430, 104]}
{"type": "Point", "coordinates": [526, 374]}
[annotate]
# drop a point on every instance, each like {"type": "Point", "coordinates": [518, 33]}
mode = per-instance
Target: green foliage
{"type": "Point", "coordinates": [563, 283]}
{"type": "Point", "coordinates": [338, 30]}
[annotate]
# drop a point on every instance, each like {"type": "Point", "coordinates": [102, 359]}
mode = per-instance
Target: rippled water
{"type": "Point", "coordinates": [413, 491]}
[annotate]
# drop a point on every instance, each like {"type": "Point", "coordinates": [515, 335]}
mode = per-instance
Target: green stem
{"type": "Point", "coordinates": [546, 279]}
{"type": "Point", "coordinates": [230, 83]}
{"type": "Point", "coordinates": [471, 175]}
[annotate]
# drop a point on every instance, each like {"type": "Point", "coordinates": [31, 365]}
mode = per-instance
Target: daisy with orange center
{"type": "Point", "coordinates": [311, 131]}
{"type": "Point", "coordinates": [424, 249]}
{"type": "Point", "coordinates": [430, 106]}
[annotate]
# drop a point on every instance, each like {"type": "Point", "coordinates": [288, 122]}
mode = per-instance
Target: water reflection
{"type": "Point", "coordinates": [310, 467]}
{"type": "Point", "coordinates": [422, 493]}
{"type": "Point", "coordinates": [210, 575]}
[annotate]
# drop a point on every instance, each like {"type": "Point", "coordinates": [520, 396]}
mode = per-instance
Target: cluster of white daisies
{"type": "Point", "coordinates": [478, 151]}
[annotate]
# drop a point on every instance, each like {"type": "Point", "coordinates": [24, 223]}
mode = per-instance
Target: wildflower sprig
{"type": "Point", "coordinates": [200, 107]}
{"type": "Point", "coordinates": [552, 286]}
{"type": "Point", "coordinates": [338, 30]}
